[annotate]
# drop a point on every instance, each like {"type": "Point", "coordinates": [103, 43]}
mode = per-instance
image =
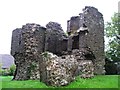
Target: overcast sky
{"type": "Point", "coordinates": [15, 13]}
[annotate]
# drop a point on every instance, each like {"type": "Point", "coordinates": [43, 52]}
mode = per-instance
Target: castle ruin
{"type": "Point", "coordinates": [38, 50]}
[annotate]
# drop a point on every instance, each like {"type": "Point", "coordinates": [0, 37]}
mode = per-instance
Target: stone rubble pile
{"type": "Point", "coordinates": [59, 70]}
{"type": "Point", "coordinates": [86, 68]}
{"type": "Point", "coordinates": [85, 60]}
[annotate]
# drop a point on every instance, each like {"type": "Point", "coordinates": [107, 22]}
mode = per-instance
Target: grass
{"type": "Point", "coordinates": [101, 81]}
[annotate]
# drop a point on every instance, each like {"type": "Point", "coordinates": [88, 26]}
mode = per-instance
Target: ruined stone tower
{"type": "Point", "coordinates": [29, 42]}
{"type": "Point", "coordinates": [55, 38]}
{"type": "Point", "coordinates": [87, 31]}
{"type": "Point", "coordinates": [79, 53]}
{"type": "Point", "coordinates": [27, 45]}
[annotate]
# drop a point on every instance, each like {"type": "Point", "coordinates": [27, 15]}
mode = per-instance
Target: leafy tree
{"type": "Point", "coordinates": [112, 32]}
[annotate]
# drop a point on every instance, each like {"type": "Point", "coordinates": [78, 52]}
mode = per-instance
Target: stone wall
{"type": "Point", "coordinates": [85, 59]}
{"type": "Point", "coordinates": [95, 39]}
{"type": "Point", "coordinates": [79, 53]}
{"type": "Point", "coordinates": [27, 45]}
{"type": "Point", "coordinates": [30, 41]}
{"type": "Point", "coordinates": [56, 40]}
{"type": "Point", "coordinates": [91, 19]}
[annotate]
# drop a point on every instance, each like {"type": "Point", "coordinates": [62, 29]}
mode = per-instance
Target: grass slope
{"type": "Point", "coordinates": [102, 81]}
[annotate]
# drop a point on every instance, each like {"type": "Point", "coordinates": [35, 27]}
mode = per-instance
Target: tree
{"type": "Point", "coordinates": [112, 32]}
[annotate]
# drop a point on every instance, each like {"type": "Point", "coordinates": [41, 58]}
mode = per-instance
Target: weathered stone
{"type": "Point", "coordinates": [86, 68]}
{"type": "Point", "coordinates": [79, 53]}
{"type": "Point", "coordinates": [92, 20]}
{"type": "Point", "coordinates": [16, 40]}
{"type": "Point", "coordinates": [27, 45]}
{"type": "Point", "coordinates": [83, 54]}
{"type": "Point", "coordinates": [55, 38]}
{"type": "Point", "coordinates": [59, 71]}
{"type": "Point", "coordinates": [95, 39]}
{"type": "Point", "coordinates": [85, 59]}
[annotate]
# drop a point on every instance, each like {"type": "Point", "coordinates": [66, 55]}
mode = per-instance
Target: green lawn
{"type": "Point", "coordinates": [102, 81]}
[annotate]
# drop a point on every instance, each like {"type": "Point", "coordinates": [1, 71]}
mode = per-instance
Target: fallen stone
{"type": "Point", "coordinates": [59, 70]}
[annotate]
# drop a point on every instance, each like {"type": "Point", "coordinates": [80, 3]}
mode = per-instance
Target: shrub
{"type": "Point", "coordinates": [6, 72]}
{"type": "Point", "coordinates": [11, 70]}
